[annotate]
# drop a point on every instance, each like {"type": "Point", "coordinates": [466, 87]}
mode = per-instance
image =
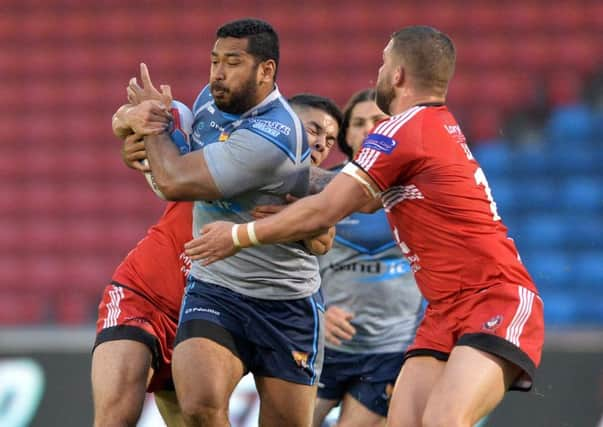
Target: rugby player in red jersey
{"type": "Point", "coordinates": [483, 329]}
{"type": "Point", "coordinates": [138, 313]}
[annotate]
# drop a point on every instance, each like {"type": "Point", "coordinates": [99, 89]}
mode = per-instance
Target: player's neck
{"type": "Point", "coordinates": [404, 103]}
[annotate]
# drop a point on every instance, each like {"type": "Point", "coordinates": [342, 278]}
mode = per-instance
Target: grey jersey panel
{"type": "Point", "coordinates": [382, 293]}
{"type": "Point", "coordinates": [249, 171]}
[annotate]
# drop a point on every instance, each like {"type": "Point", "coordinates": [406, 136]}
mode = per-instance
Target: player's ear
{"type": "Point", "coordinates": [399, 76]}
{"type": "Point", "coordinates": [266, 71]}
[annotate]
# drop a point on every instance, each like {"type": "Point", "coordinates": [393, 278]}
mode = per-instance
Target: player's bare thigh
{"type": "Point", "coordinates": [205, 374]}
{"type": "Point", "coordinates": [322, 409]}
{"type": "Point", "coordinates": [355, 414]}
{"type": "Point", "coordinates": [284, 403]}
{"type": "Point", "coordinates": [471, 385]}
{"type": "Point", "coordinates": [415, 383]}
{"type": "Point", "coordinates": [121, 370]}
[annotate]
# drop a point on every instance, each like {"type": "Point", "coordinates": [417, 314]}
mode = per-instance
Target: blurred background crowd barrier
{"type": "Point", "coordinates": [528, 93]}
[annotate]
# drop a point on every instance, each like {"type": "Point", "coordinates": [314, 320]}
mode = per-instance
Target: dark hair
{"type": "Point", "coordinates": [262, 39]}
{"type": "Point", "coordinates": [357, 98]}
{"type": "Point", "coordinates": [309, 100]}
{"type": "Point", "coordinates": [429, 55]}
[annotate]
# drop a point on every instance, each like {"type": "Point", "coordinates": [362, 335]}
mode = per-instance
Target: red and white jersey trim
{"type": "Point", "coordinates": [113, 311]}
{"type": "Point", "coordinates": [524, 309]}
{"type": "Point", "coordinates": [399, 193]}
{"type": "Point", "coordinates": [391, 126]}
{"type": "Point", "coordinates": [367, 158]}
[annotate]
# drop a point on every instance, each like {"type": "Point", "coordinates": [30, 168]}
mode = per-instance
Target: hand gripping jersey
{"type": "Point", "coordinates": [439, 204]}
{"type": "Point", "coordinates": [254, 159]}
{"type": "Point", "coordinates": [157, 266]}
{"type": "Point", "coordinates": [365, 273]}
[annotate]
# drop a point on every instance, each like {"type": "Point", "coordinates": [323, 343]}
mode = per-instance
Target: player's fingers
{"type": "Point", "coordinates": [291, 198]}
{"type": "Point", "coordinates": [166, 95]}
{"type": "Point", "coordinates": [332, 338]}
{"type": "Point", "coordinates": [341, 333]}
{"type": "Point", "coordinates": [146, 77]}
{"type": "Point", "coordinates": [258, 214]}
{"type": "Point", "coordinates": [136, 156]}
{"type": "Point", "coordinates": [140, 166]}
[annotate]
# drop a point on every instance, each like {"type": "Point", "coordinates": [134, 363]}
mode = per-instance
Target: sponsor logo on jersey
{"type": "Point", "coordinates": [270, 127]}
{"type": "Point", "coordinates": [201, 310]}
{"type": "Point", "coordinates": [381, 143]}
{"type": "Point", "coordinates": [301, 358]}
{"type": "Point", "coordinates": [493, 323]}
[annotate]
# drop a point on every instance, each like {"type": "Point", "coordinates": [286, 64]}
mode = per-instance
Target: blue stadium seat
{"type": "Point", "coordinates": [531, 160]}
{"type": "Point", "coordinates": [550, 269]}
{"type": "Point", "coordinates": [505, 195]}
{"type": "Point", "coordinates": [581, 159]}
{"type": "Point", "coordinates": [542, 231]}
{"type": "Point", "coordinates": [585, 231]}
{"type": "Point", "coordinates": [570, 124]}
{"type": "Point", "coordinates": [581, 194]}
{"type": "Point", "coordinates": [494, 157]}
{"type": "Point", "coordinates": [559, 310]}
{"type": "Point", "coordinates": [538, 194]}
{"type": "Point", "coordinates": [588, 270]}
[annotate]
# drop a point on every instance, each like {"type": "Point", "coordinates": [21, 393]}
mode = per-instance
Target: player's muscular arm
{"type": "Point", "coordinates": [319, 178]}
{"type": "Point", "coordinates": [179, 177]}
{"type": "Point", "coordinates": [302, 219]}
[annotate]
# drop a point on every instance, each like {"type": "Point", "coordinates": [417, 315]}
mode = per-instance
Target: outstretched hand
{"type": "Point", "coordinates": [214, 244]}
{"type": "Point", "coordinates": [137, 94]}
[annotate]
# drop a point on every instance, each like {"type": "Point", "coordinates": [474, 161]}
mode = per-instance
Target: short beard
{"type": "Point", "coordinates": [242, 100]}
{"type": "Point", "coordinates": [384, 98]}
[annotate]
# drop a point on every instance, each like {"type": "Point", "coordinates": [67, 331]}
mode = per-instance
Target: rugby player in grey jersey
{"type": "Point", "coordinates": [260, 311]}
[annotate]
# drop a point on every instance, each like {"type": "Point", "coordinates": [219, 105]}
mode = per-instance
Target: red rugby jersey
{"type": "Point", "coordinates": [157, 267]}
{"type": "Point", "coordinates": [439, 204]}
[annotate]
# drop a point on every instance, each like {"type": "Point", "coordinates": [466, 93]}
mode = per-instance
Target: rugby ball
{"type": "Point", "coordinates": [180, 129]}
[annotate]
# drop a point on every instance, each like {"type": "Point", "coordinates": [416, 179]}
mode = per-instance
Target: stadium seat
{"type": "Point", "coordinates": [505, 194]}
{"type": "Point", "coordinates": [530, 160]}
{"type": "Point", "coordinates": [559, 310]}
{"type": "Point", "coordinates": [585, 231]}
{"type": "Point", "coordinates": [588, 269]}
{"type": "Point", "coordinates": [541, 231]}
{"type": "Point", "coordinates": [570, 125]}
{"type": "Point", "coordinates": [494, 156]}
{"type": "Point", "coordinates": [537, 195]}
{"type": "Point", "coordinates": [550, 269]}
{"type": "Point", "coordinates": [19, 309]}
{"type": "Point", "coordinates": [582, 194]}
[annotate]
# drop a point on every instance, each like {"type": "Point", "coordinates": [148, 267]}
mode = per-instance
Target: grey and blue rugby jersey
{"type": "Point", "coordinates": [255, 159]}
{"type": "Point", "coordinates": [365, 273]}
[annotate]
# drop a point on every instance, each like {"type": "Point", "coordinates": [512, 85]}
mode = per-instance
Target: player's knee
{"type": "Point", "coordinates": [117, 417]}
{"type": "Point", "coordinates": [443, 417]}
{"type": "Point", "coordinates": [202, 408]}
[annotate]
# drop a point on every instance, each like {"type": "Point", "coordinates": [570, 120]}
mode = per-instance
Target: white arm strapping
{"type": "Point", "coordinates": [352, 170]}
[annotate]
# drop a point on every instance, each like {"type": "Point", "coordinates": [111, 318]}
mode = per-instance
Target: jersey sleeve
{"type": "Point", "coordinates": [388, 159]}
{"type": "Point", "coordinates": [244, 162]}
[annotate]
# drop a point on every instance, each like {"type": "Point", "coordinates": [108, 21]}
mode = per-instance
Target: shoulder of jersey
{"type": "Point", "coordinates": [280, 126]}
{"type": "Point", "coordinates": [395, 123]}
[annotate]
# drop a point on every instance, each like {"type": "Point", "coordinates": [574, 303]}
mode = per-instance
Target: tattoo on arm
{"type": "Point", "coordinates": [319, 178]}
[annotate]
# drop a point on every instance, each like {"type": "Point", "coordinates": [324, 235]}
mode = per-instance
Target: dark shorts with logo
{"type": "Point", "coordinates": [273, 338]}
{"type": "Point", "coordinates": [369, 378]}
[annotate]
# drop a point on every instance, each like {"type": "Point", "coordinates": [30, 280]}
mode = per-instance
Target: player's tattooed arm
{"type": "Point", "coordinates": [319, 178]}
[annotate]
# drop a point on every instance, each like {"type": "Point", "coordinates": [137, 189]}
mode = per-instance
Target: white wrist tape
{"type": "Point", "coordinates": [352, 170]}
{"type": "Point", "coordinates": [235, 236]}
{"type": "Point", "coordinates": [251, 233]}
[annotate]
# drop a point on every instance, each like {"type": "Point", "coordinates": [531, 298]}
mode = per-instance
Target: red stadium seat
{"type": "Point", "coordinates": [19, 309]}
